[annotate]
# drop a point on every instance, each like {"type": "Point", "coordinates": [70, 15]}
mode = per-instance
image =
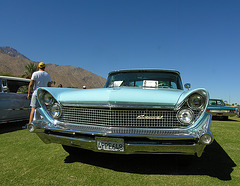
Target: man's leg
{"type": "Point", "coordinates": [31, 114]}
{"type": "Point", "coordinates": [33, 105]}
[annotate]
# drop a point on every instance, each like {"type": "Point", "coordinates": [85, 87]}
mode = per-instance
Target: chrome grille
{"type": "Point", "coordinates": [121, 118]}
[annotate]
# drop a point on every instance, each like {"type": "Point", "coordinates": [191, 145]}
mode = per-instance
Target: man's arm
{"type": "Point", "coordinates": [30, 88]}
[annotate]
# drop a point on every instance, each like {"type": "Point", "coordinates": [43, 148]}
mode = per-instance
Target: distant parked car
{"type": "Point", "coordinates": [238, 112]}
{"type": "Point", "coordinates": [217, 108]}
{"type": "Point", "coordinates": [138, 112]}
{"type": "Point", "coordinates": [14, 105]}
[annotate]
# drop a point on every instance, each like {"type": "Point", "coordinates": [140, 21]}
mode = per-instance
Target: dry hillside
{"type": "Point", "coordinates": [68, 76]}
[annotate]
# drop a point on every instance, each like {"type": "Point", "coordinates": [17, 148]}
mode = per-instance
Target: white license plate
{"type": "Point", "coordinates": [110, 144]}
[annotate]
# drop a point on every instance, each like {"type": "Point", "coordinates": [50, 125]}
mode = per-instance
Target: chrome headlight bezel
{"type": "Point", "coordinates": [196, 103]}
{"type": "Point", "coordinates": [50, 104]}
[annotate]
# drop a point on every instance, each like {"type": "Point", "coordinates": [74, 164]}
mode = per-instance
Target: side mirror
{"type": "Point", "coordinates": [187, 86]}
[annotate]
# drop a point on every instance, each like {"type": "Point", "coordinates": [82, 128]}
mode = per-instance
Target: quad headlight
{"type": "Point", "coordinates": [50, 104]}
{"type": "Point", "coordinates": [56, 110]}
{"type": "Point", "coordinates": [185, 116]}
{"type": "Point", "coordinates": [48, 98]}
{"type": "Point", "coordinates": [192, 107]}
{"type": "Point", "coordinates": [196, 101]}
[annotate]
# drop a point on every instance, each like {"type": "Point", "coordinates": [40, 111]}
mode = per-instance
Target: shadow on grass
{"type": "Point", "coordinates": [218, 118]}
{"type": "Point", "coordinates": [215, 162]}
{"type": "Point", "coordinates": [10, 127]}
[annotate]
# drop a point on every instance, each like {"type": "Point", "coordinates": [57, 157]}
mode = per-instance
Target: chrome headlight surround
{"type": "Point", "coordinates": [192, 107]}
{"type": "Point", "coordinates": [50, 104]}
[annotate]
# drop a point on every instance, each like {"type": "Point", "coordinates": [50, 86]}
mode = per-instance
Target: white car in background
{"type": "Point", "coordinates": [14, 105]}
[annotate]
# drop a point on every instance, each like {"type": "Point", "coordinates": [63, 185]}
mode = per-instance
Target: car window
{"type": "Point", "coordinates": [17, 86]}
{"type": "Point", "coordinates": [220, 102]}
{"type": "Point", "coordinates": [212, 102]}
{"type": "Point", "coordinates": [23, 89]}
{"type": "Point", "coordinates": [216, 102]}
{"type": "Point", "coordinates": [145, 79]}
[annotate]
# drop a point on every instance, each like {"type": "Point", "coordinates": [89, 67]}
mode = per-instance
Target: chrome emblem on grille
{"type": "Point", "coordinates": [149, 117]}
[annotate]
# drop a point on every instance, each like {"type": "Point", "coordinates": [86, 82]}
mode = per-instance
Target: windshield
{"type": "Point", "coordinates": [216, 102]}
{"type": "Point", "coordinates": [145, 79]}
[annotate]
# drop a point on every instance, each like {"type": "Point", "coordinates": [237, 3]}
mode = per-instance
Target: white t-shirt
{"type": "Point", "coordinates": [41, 79]}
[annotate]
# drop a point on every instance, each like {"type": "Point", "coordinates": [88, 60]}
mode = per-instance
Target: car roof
{"type": "Point", "coordinates": [14, 78]}
{"type": "Point", "coordinates": [144, 70]}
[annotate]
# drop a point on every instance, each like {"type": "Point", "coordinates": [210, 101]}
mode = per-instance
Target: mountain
{"type": "Point", "coordinates": [12, 52]}
{"type": "Point", "coordinates": [13, 63]}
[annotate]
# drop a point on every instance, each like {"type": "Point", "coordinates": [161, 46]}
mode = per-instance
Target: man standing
{"type": "Point", "coordinates": [39, 78]}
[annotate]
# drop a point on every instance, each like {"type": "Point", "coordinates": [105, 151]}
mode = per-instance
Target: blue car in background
{"type": "Point", "coordinates": [14, 105]}
{"type": "Point", "coordinates": [137, 112]}
{"type": "Point", "coordinates": [218, 109]}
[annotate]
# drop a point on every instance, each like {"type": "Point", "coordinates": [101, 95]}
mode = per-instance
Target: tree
{"type": "Point", "coordinates": [30, 68]}
{"type": "Point", "coordinates": [53, 82]}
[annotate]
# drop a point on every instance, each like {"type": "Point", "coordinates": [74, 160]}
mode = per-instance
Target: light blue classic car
{"type": "Point", "coordinates": [218, 108]}
{"type": "Point", "coordinates": [137, 112]}
{"type": "Point", "coordinates": [14, 105]}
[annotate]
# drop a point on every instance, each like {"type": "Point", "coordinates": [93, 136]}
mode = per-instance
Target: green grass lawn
{"type": "Point", "coordinates": [26, 160]}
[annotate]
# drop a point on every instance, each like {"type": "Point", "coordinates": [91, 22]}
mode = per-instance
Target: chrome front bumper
{"type": "Point", "coordinates": [136, 141]}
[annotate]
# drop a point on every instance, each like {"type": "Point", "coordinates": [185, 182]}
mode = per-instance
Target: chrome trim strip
{"type": "Point", "coordinates": [11, 109]}
{"type": "Point", "coordinates": [111, 105]}
{"type": "Point", "coordinates": [166, 135]}
{"type": "Point", "coordinates": [116, 131]}
{"type": "Point", "coordinates": [40, 126]}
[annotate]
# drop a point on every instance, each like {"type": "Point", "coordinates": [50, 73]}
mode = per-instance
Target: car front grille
{"type": "Point", "coordinates": [121, 118]}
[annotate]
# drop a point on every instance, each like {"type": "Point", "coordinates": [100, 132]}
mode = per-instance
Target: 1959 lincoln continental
{"type": "Point", "coordinates": [137, 112]}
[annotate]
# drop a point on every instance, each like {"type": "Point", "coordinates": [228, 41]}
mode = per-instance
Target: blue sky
{"type": "Point", "coordinates": [199, 38]}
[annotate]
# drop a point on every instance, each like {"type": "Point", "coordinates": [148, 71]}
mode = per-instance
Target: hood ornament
{"type": "Point", "coordinates": [149, 117]}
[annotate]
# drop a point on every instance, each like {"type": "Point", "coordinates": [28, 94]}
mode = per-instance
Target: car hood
{"type": "Point", "coordinates": [118, 96]}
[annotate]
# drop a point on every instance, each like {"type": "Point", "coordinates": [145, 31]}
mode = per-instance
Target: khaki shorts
{"type": "Point", "coordinates": [34, 101]}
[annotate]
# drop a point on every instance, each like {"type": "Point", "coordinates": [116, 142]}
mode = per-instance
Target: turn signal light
{"type": "Point", "coordinates": [206, 139]}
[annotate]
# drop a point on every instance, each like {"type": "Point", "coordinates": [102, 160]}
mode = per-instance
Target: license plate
{"type": "Point", "coordinates": [110, 144]}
